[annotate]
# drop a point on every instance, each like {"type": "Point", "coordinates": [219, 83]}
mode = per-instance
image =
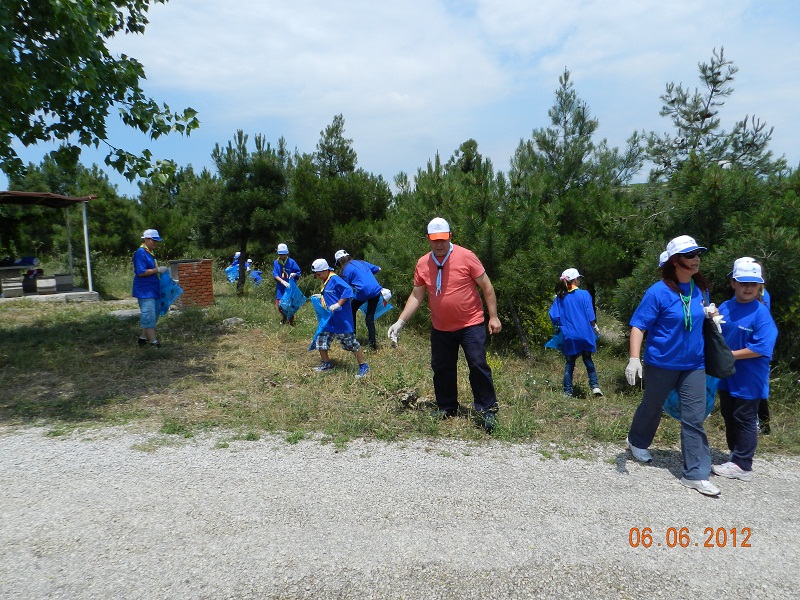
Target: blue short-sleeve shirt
{"type": "Point", "coordinates": [748, 325]}
{"type": "Point", "coordinates": [574, 314]}
{"type": "Point", "coordinates": [670, 344]}
{"type": "Point", "coordinates": [341, 321]}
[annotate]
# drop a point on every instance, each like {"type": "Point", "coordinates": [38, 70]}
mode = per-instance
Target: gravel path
{"type": "Point", "coordinates": [122, 513]}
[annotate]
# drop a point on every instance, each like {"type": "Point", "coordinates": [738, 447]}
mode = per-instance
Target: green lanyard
{"type": "Point", "coordinates": [686, 301]}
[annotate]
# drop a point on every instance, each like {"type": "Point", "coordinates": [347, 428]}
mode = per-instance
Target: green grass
{"type": "Point", "coordinates": [66, 366]}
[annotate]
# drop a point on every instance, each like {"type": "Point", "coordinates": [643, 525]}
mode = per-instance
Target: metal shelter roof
{"type": "Point", "coordinates": [42, 199]}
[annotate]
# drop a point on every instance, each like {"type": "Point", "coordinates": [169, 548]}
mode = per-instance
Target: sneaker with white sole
{"type": "Point", "coordinates": [704, 486]}
{"type": "Point", "coordinates": [325, 366]}
{"type": "Point", "coordinates": [363, 369]}
{"type": "Point", "coordinates": [732, 471]}
{"type": "Point", "coordinates": [640, 454]}
{"type": "Point", "coordinates": [597, 391]}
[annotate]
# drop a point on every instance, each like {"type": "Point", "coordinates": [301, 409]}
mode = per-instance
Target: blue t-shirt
{"type": "Point", "coordinates": [283, 271]}
{"type": "Point", "coordinates": [748, 325]}
{"type": "Point", "coordinates": [341, 321]}
{"type": "Point", "coordinates": [148, 286]}
{"type": "Point", "coordinates": [670, 344]}
{"type": "Point", "coordinates": [360, 275]}
{"type": "Point", "coordinates": [574, 314]}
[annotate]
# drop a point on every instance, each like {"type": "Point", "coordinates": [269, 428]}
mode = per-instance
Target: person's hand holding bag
{"type": "Point", "coordinates": [633, 370]}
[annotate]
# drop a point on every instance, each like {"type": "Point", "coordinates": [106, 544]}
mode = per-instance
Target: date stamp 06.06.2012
{"type": "Point", "coordinates": [682, 537]}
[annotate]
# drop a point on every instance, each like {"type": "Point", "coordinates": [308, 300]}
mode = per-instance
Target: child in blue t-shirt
{"type": "Point", "coordinates": [284, 268]}
{"type": "Point", "coordinates": [573, 313]}
{"type": "Point", "coordinates": [361, 276]}
{"type": "Point", "coordinates": [750, 332]}
{"type": "Point", "coordinates": [336, 293]}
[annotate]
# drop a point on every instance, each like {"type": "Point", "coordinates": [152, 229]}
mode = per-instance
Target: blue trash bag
{"type": "Point", "coordinates": [556, 342]}
{"type": "Point", "coordinates": [382, 308]}
{"type": "Point", "coordinates": [323, 316]}
{"type": "Point", "coordinates": [292, 300]}
{"type": "Point", "coordinates": [169, 292]}
{"type": "Point", "coordinates": [672, 405]}
{"type": "Point", "coordinates": [232, 273]}
{"type": "Point", "coordinates": [256, 277]}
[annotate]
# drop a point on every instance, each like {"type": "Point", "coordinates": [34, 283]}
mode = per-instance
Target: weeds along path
{"type": "Point", "coordinates": [123, 513]}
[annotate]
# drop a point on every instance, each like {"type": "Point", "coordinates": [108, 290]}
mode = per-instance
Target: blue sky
{"type": "Point", "coordinates": [418, 77]}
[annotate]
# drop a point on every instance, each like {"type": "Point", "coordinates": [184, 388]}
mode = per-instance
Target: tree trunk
{"type": "Point", "coordinates": [520, 331]}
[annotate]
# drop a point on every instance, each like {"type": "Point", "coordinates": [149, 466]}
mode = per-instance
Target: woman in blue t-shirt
{"type": "Point", "coordinates": [573, 314]}
{"type": "Point", "coordinates": [361, 276]}
{"type": "Point", "coordinates": [750, 333]}
{"type": "Point", "coordinates": [672, 313]}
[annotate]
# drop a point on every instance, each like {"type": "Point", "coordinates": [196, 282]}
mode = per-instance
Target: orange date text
{"type": "Point", "coordinates": [682, 537]}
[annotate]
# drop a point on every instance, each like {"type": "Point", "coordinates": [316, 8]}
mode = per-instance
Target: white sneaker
{"type": "Point", "coordinates": [704, 486]}
{"type": "Point", "coordinates": [597, 391]}
{"type": "Point", "coordinates": [732, 471]}
{"type": "Point", "coordinates": [640, 454]}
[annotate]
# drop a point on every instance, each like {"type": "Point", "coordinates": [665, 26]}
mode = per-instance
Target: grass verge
{"type": "Point", "coordinates": [64, 366]}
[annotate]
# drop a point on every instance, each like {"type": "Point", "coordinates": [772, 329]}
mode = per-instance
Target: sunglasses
{"type": "Point", "coordinates": [691, 255]}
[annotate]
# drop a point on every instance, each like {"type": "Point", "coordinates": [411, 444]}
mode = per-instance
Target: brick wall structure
{"type": "Point", "coordinates": [194, 277]}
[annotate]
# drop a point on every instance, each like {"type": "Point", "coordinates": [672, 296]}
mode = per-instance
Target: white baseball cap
{"type": "Point", "coordinates": [320, 265]}
{"type": "Point", "coordinates": [237, 255]}
{"type": "Point", "coordinates": [283, 249]}
{"type": "Point", "coordinates": [738, 261]}
{"type": "Point", "coordinates": [152, 234]}
{"type": "Point", "coordinates": [679, 245]}
{"type": "Point", "coordinates": [570, 274]}
{"type": "Point", "coordinates": [340, 254]}
{"type": "Point", "coordinates": [438, 229]}
{"type": "Point", "coordinates": [747, 272]}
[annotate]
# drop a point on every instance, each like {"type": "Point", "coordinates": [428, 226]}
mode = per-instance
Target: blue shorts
{"type": "Point", "coordinates": [149, 314]}
{"type": "Point", "coordinates": [347, 340]}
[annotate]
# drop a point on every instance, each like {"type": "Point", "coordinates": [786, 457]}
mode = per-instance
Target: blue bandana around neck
{"type": "Point", "coordinates": [441, 266]}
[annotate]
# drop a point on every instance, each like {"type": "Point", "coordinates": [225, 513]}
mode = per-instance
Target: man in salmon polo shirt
{"type": "Point", "coordinates": [452, 275]}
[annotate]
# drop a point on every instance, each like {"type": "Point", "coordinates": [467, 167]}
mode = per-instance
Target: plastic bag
{"type": "Point", "coordinates": [323, 316]}
{"type": "Point", "coordinates": [556, 342]}
{"type": "Point", "coordinates": [292, 300]}
{"type": "Point", "coordinates": [672, 404]}
{"type": "Point", "coordinates": [382, 308]}
{"type": "Point", "coordinates": [170, 290]}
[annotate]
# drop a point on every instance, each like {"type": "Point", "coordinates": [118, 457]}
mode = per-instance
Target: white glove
{"type": "Point", "coordinates": [285, 283]}
{"type": "Point", "coordinates": [633, 369]}
{"type": "Point", "coordinates": [334, 307]}
{"type": "Point", "coordinates": [162, 270]}
{"type": "Point", "coordinates": [718, 321]}
{"type": "Point", "coordinates": [386, 293]}
{"type": "Point", "coordinates": [292, 275]}
{"type": "Point", "coordinates": [711, 309]}
{"type": "Point", "coordinates": [394, 331]}
{"type": "Point", "coordinates": [596, 330]}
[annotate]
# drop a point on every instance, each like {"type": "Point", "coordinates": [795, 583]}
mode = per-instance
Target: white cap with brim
{"type": "Point", "coordinates": [283, 249]}
{"type": "Point", "coordinates": [152, 234]}
{"type": "Point", "coordinates": [738, 261]}
{"type": "Point", "coordinates": [679, 245]}
{"type": "Point", "coordinates": [747, 272]}
{"type": "Point", "coordinates": [438, 229]}
{"type": "Point", "coordinates": [570, 274]}
{"type": "Point", "coordinates": [339, 255]}
{"type": "Point", "coordinates": [320, 265]}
